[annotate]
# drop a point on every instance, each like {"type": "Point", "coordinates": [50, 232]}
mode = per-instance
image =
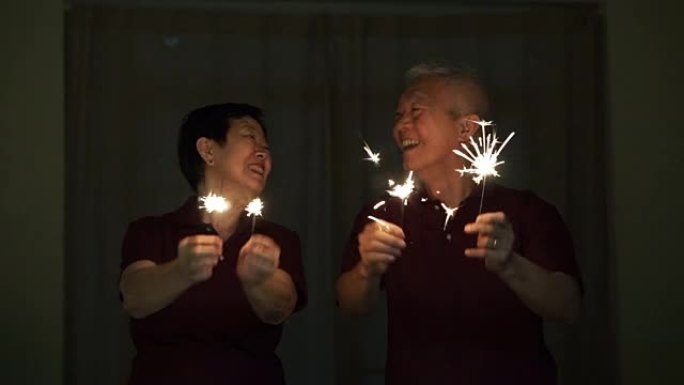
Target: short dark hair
{"type": "Point", "coordinates": [211, 122]}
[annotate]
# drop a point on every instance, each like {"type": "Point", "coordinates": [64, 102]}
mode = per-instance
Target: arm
{"type": "Point", "coordinates": [147, 287]}
{"type": "Point", "coordinates": [358, 289]}
{"type": "Point", "coordinates": [551, 295]}
{"type": "Point", "coordinates": [269, 289]}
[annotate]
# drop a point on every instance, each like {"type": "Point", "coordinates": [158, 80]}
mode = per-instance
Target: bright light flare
{"type": "Point", "coordinates": [449, 214]}
{"type": "Point", "coordinates": [372, 156]}
{"type": "Point", "coordinates": [402, 191]}
{"type": "Point", "coordinates": [484, 154]}
{"type": "Point", "coordinates": [254, 207]}
{"type": "Point", "coordinates": [213, 203]}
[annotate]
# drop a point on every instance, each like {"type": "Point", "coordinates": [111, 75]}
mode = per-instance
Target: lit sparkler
{"type": "Point", "coordinates": [402, 191]}
{"type": "Point", "coordinates": [483, 156]}
{"type": "Point", "coordinates": [449, 213]}
{"type": "Point", "coordinates": [212, 203]}
{"type": "Point", "coordinates": [372, 156]}
{"type": "Point", "coordinates": [254, 209]}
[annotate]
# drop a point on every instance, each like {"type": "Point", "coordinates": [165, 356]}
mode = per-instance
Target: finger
{"type": "Point", "coordinates": [493, 217]}
{"type": "Point", "coordinates": [476, 253]}
{"type": "Point", "coordinates": [381, 225]}
{"type": "Point", "coordinates": [201, 250]}
{"type": "Point", "coordinates": [386, 238]}
{"type": "Point", "coordinates": [479, 228]}
{"type": "Point", "coordinates": [380, 248]}
{"type": "Point", "coordinates": [379, 258]}
{"type": "Point", "coordinates": [487, 242]}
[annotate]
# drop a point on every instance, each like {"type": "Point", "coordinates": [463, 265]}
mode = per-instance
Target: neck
{"type": "Point", "coordinates": [224, 223]}
{"type": "Point", "coordinates": [447, 186]}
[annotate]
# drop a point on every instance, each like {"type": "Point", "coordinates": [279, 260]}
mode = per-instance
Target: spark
{"type": "Point", "coordinates": [402, 191]}
{"type": "Point", "coordinates": [378, 205]}
{"type": "Point", "coordinates": [379, 221]}
{"type": "Point", "coordinates": [484, 155]}
{"type": "Point", "coordinates": [214, 203]}
{"type": "Point", "coordinates": [254, 207]}
{"type": "Point", "coordinates": [372, 156]}
{"type": "Point", "coordinates": [449, 213]}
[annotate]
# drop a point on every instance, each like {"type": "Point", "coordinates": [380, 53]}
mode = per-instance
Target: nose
{"type": "Point", "coordinates": [261, 154]}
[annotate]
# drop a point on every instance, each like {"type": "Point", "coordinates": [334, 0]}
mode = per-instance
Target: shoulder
{"type": "Point", "coordinates": [521, 199]}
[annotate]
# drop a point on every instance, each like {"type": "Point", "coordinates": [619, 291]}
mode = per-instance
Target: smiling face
{"type": "Point", "coordinates": [242, 164]}
{"type": "Point", "coordinates": [427, 127]}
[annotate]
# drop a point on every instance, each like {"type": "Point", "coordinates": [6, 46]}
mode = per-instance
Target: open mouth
{"type": "Point", "coordinates": [407, 144]}
{"type": "Point", "coordinates": [257, 169]}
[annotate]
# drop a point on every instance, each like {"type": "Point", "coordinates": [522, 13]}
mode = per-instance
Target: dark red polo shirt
{"type": "Point", "coordinates": [450, 320]}
{"type": "Point", "coordinates": [209, 334]}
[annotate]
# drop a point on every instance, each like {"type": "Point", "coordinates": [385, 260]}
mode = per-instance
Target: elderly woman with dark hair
{"type": "Point", "coordinates": [209, 308]}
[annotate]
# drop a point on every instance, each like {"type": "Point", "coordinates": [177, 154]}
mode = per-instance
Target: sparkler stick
{"type": "Point", "coordinates": [212, 203]}
{"type": "Point", "coordinates": [379, 221]}
{"type": "Point", "coordinates": [483, 156]}
{"type": "Point", "coordinates": [254, 209]}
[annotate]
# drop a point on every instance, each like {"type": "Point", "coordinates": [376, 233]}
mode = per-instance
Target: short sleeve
{"type": "Point", "coordinates": [143, 241]}
{"type": "Point", "coordinates": [546, 239]}
{"type": "Point", "coordinates": [350, 254]}
{"type": "Point", "coordinates": [291, 262]}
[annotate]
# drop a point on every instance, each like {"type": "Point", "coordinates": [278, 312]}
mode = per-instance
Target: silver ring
{"type": "Point", "coordinates": [495, 241]}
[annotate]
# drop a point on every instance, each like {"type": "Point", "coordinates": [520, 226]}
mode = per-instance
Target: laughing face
{"type": "Point", "coordinates": [426, 128]}
{"type": "Point", "coordinates": [244, 160]}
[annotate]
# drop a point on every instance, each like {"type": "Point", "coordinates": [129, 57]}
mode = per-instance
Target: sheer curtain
{"type": "Point", "coordinates": [327, 81]}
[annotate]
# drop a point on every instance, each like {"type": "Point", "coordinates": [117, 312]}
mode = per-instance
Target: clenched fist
{"type": "Point", "coordinates": [380, 243]}
{"type": "Point", "coordinates": [258, 260]}
{"type": "Point", "coordinates": [197, 256]}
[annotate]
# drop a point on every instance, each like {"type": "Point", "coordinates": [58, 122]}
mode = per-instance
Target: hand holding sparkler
{"type": "Point", "coordinates": [258, 260]}
{"type": "Point", "coordinates": [197, 256]}
{"type": "Point", "coordinates": [495, 239]}
{"type": "Point", "coordinates": [380, 244]}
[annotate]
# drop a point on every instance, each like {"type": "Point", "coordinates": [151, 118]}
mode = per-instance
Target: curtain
{"type": "Point", "coordinates": [327, 80]}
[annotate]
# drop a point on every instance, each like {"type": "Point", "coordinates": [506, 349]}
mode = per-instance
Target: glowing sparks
{"type": "Point", "coordinates": [254, 207]}
{"type": "Point", "coordinates": [484, 155]}
{"type": "Point", "coordinates": [213, 203]}
{"type": "Point", "coordinates": [402, 191]}
{"type": "Point", "coordinates": [379, 221]}
{"type": "Point", "coordinates": [449, 213]}
{"type": "Point", "coordinates": [378, 205]}
{"type": "Point", "coordinates": [372, 156]}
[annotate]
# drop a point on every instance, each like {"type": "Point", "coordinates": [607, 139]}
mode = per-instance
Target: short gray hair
{"type": "Point", "coordinates": [459, 75]}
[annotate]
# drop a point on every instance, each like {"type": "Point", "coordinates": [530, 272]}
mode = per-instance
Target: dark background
{"type": "Point", "coordinates": [91, 99]}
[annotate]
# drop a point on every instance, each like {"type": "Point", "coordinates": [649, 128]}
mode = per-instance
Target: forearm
{"type": "Point", "coordinates": [274, 299]}
{"type": "Point", "coordinates": [551, 295]}
{"type": "Point", "coordinates": [147, 287]}
{"type": "Point", "coordinates": [357, 291]}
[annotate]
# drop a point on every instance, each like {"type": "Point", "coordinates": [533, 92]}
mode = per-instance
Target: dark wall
{"type": "Point", "coordinates": [645, 82]}
{"type": "Point", "coordinates": [32, 158]}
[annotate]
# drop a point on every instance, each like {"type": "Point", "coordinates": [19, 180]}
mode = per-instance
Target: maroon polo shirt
{"type": "Point", "coordinates": [450, 320]}
{"type": "Point", "coordinates": [209, 334]}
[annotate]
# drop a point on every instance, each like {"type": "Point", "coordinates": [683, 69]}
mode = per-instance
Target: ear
{"type": "Point", "coordinates": [467, 126]}
{"type": "Point", "coordinates": [205, 148]}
